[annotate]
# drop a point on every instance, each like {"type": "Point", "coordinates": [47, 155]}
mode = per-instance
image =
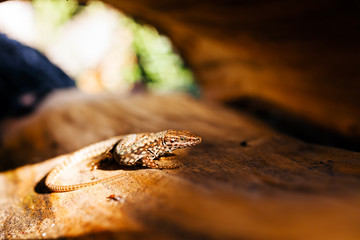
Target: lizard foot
{"type": "Point", "coordinates": [164, 164]}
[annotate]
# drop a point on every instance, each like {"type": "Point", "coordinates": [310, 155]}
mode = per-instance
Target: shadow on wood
{"type": "Point", "coordinates": [301, 55]}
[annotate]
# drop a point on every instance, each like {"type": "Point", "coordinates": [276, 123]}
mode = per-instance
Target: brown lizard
{"type": "Point", "coordinates": [127, 150]}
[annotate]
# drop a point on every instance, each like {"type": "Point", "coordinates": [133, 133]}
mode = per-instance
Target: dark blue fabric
{"type": "Point", "coordinates": [26, 77]}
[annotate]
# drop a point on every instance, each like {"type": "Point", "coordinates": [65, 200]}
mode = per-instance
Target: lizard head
{"type": "Point", "coordinates": [175, 139]}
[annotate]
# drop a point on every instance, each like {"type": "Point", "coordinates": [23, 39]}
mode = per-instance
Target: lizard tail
{"type": "Point", "coordinates": [73, 187]}
{"type": "Point", "coordinates": [69, 160]}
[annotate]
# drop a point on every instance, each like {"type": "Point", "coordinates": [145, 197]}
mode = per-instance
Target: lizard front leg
{"type": "Point", "coordinates": [149, 162]}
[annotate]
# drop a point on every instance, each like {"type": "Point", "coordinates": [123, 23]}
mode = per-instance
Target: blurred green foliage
{"type": "Point", "coordinates": [51, 14]}
{"type": "Point", "coordinates": [158, 67]}
{"type": "Point", "coordinates": [161, 68]}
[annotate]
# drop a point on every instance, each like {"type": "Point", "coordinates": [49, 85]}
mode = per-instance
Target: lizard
{"type": "Point", "coordinates": [127, 150]}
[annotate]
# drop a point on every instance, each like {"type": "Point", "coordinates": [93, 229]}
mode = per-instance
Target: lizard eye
{"type": "Point", "coordinates": [172, 140]}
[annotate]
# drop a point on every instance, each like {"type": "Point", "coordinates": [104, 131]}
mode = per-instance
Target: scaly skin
{"type": "Point", "coordinates": [128, 150]}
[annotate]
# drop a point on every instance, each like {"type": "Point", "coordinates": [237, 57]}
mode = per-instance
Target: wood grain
{"type": "Point", "coordinates": [244, 181]}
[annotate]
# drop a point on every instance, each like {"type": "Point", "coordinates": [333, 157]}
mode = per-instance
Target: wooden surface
{"type": "Point", "coordinates": [244, 181]}
{"type": "Point", "coordinates": [302, 56]}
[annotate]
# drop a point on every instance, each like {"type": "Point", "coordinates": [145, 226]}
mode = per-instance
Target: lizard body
{"type": "Point", "coordinates": [127, 150]}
